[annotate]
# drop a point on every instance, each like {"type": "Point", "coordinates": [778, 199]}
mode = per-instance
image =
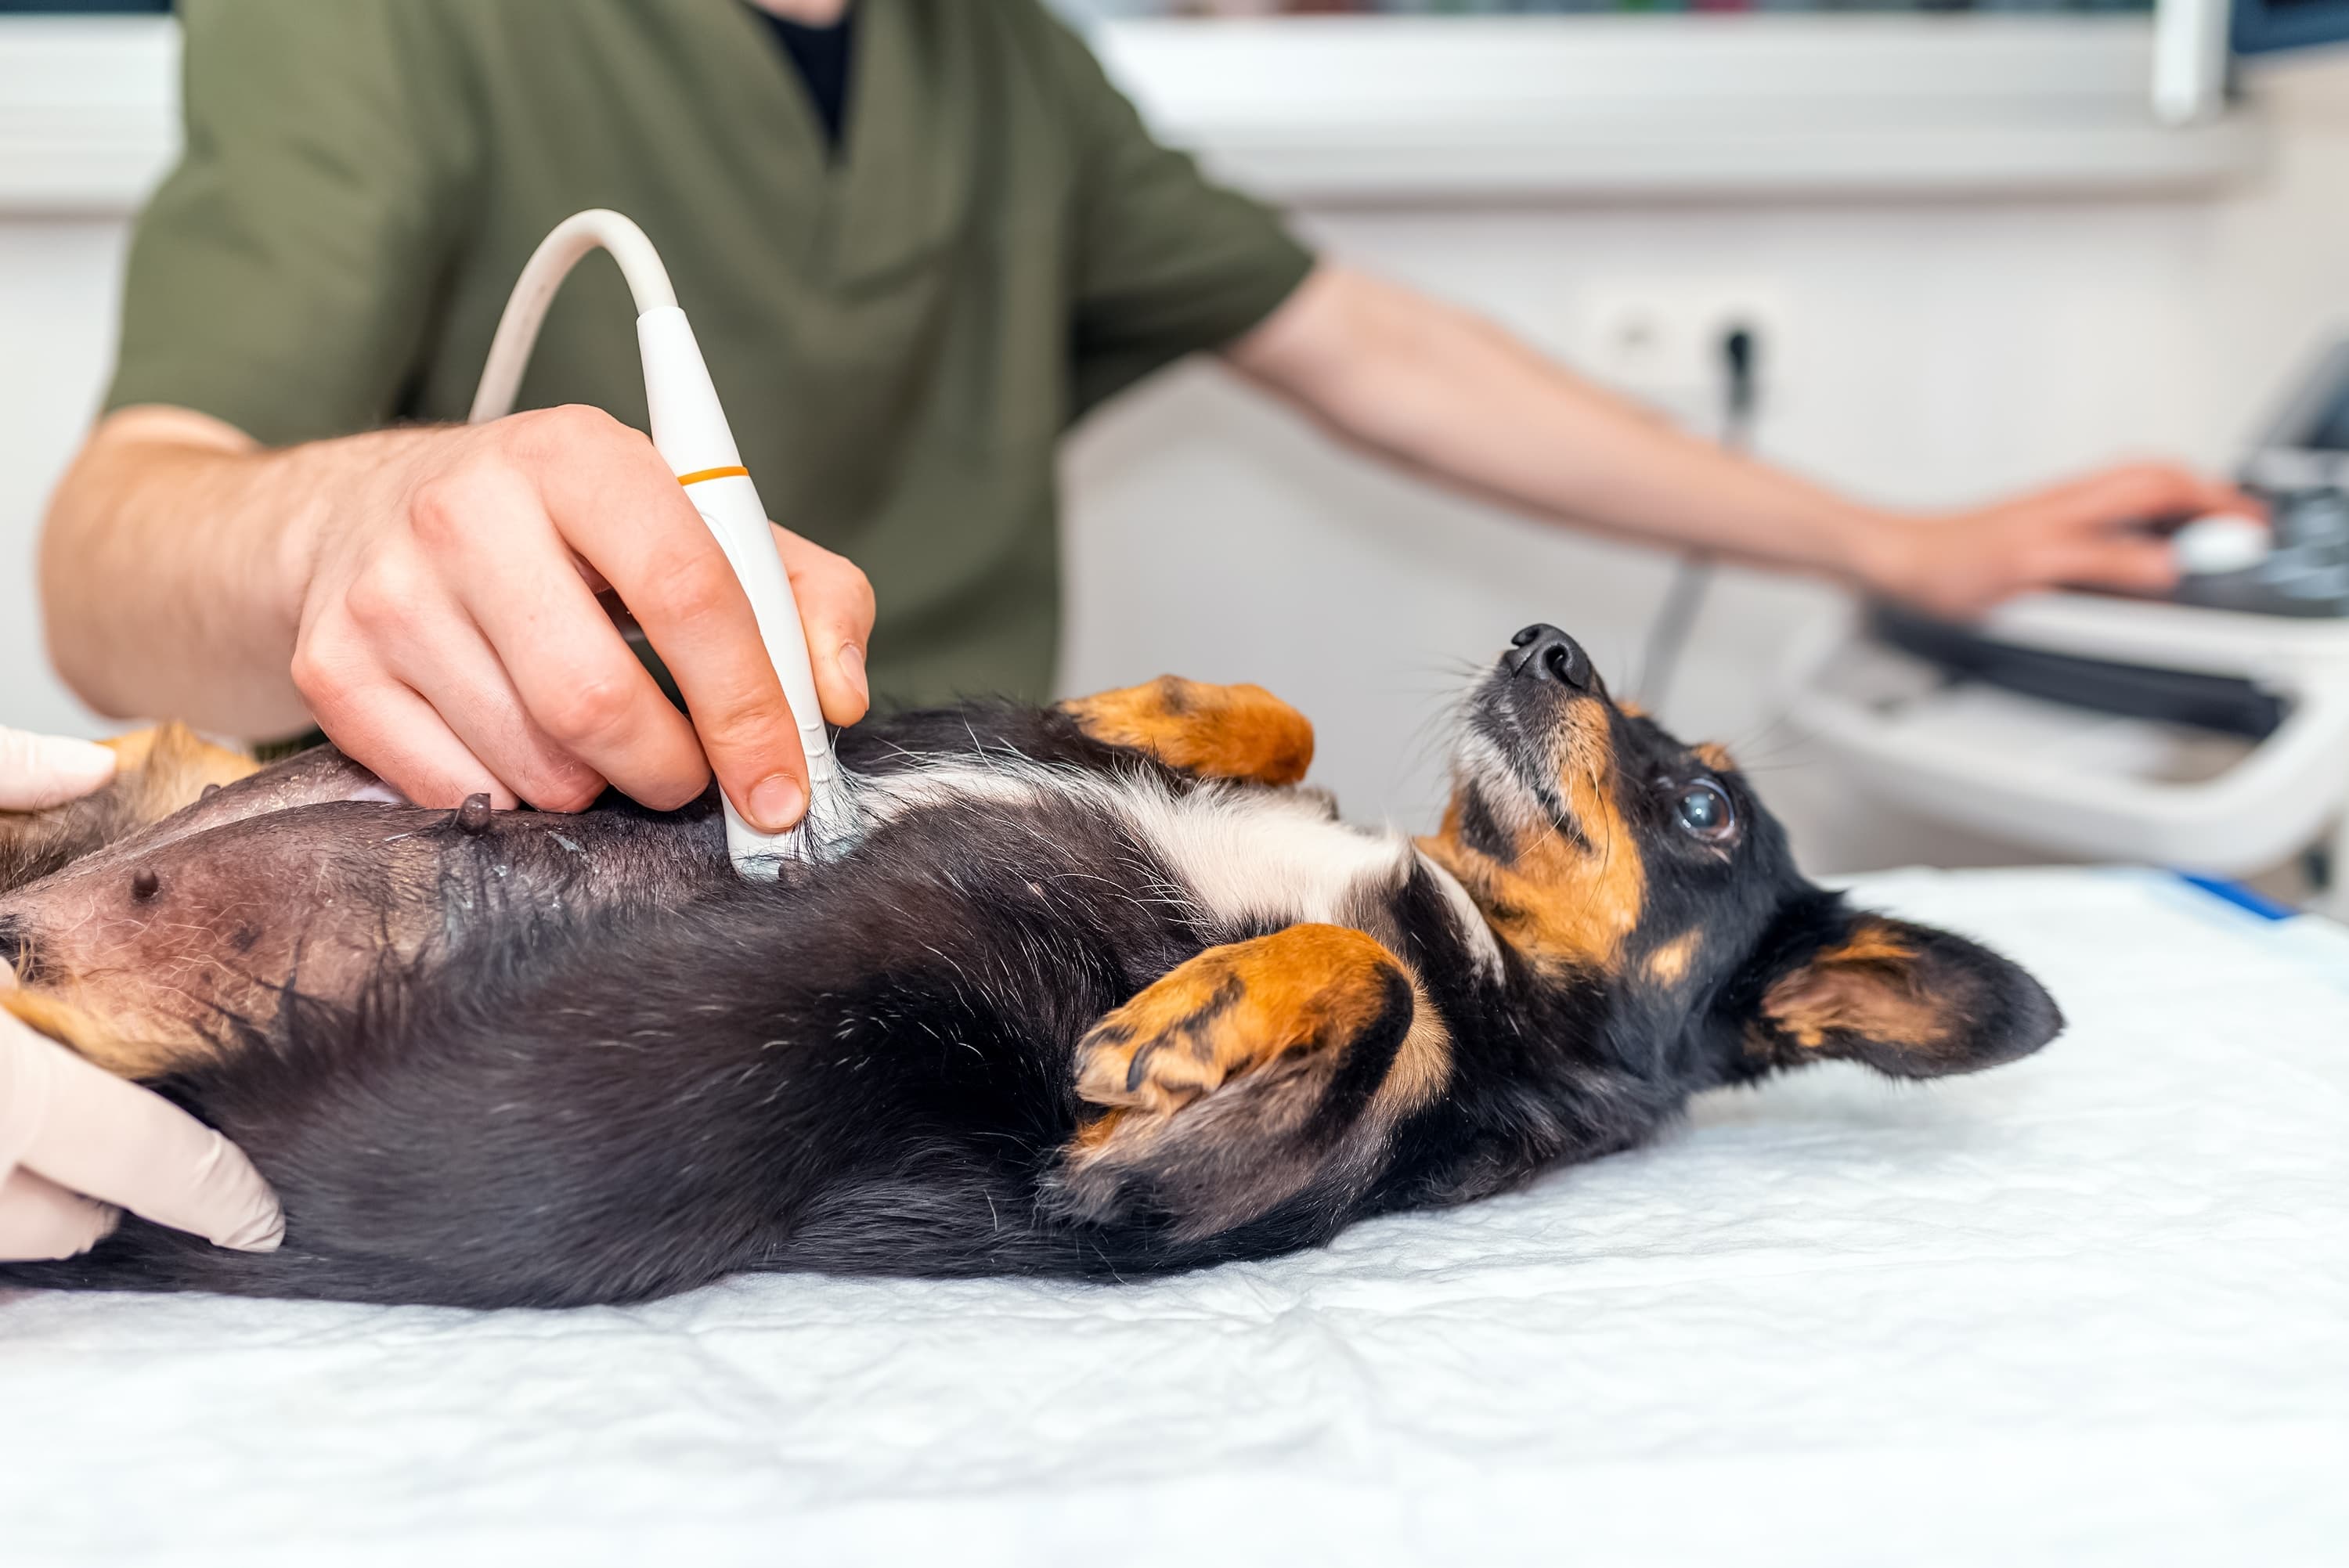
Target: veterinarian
{"type": "Point", "coordinates": [920, 238]}
{"type": "Point", "coordinates": [76, 1143]}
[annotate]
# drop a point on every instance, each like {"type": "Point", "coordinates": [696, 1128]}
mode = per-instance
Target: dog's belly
{"type": "Point", "coordinates": [143, 954]}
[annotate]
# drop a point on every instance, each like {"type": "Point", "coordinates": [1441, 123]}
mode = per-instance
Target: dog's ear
{"type": "Point", "coordinates": [1908, 1000]}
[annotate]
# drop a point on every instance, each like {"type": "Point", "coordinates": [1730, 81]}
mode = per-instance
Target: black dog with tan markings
{"type": "Point", "coordinates": [1101, 990]}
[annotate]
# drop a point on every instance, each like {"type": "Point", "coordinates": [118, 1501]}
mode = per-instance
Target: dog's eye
{"type": "Point", "coordinates": [1705, 811]}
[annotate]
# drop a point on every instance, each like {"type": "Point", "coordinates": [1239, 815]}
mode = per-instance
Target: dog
{"type": "Point", "coordinates": [1101, 990]}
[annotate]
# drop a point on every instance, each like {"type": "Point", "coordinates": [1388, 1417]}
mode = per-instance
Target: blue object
{"type": "Point", "coordinates": [2261, 26]}
{"type": "Point", "coordinates": [2239, 895]}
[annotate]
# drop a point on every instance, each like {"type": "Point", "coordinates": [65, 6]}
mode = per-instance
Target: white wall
{"type": "Point", "coordinates": [57, 283]}
{"type": "Point", "coordinates": [1935, 353]}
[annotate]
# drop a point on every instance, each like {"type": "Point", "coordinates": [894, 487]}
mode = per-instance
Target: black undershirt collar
{"type": "Point", "coordinates": [822, 57]}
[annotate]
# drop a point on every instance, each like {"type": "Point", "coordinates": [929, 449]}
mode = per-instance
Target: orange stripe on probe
{"type": "Point", "coordinates": [698, 474]}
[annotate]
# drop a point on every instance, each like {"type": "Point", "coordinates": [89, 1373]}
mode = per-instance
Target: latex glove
{"type": "Point", "coordinates": [75, 1140]}
{"type": "Point", "coordinates": [43, 770]}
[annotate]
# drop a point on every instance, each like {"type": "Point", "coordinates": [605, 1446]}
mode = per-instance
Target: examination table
{"type": "Point", "coordinates": [2091, 1307]}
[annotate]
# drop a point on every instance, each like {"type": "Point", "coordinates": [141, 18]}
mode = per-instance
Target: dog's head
{"type": "Point", "coordinates": [1601, 850]}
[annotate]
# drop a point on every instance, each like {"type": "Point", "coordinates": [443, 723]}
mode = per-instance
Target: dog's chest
{"type": "Point", "coordinates": [1238, 855]}
{"type": "Point", "coordinates": [1250, 857]}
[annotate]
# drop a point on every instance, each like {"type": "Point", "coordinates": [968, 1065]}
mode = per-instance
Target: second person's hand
{"type": "Point", "coordinates": [2090, 532]}
{"type": "Point", "coordinates": [450, 637]}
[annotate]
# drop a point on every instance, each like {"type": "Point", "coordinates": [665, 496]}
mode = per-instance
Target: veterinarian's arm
{"type": "Point", "coordinates": [74, 1139]}
{"type": "Point", "coordinates": [1452, 395]}
{"type": "Point", "coordinates": [430, 598]}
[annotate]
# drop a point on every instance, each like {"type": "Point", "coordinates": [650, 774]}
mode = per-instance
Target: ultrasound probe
{"type": "Point", "coordinates": [690, 432]}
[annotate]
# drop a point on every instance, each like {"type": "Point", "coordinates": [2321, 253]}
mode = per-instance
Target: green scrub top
{"type": "Point", "coordinates": [899, 333]}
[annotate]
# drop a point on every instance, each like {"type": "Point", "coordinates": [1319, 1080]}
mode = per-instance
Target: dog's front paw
{"type": "Point", "coordinates": [1214, 731]}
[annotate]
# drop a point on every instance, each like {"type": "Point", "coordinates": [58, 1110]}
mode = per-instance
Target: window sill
{"type": "Point", "coordinates": [1351, 109]}
{"type": "Point", "coordinates": [89, 111]}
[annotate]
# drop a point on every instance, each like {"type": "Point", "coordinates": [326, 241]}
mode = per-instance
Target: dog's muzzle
{"type": "Point", "coordinates": [1543, 653]}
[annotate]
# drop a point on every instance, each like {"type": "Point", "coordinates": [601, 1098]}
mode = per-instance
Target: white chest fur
{"type": "Point", "coordinates": [1260, 856]}
{"type": "Point", "coordinates": [1239, 855]}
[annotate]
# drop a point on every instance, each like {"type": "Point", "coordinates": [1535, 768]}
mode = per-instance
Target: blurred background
{"type": "Point", "coordinates": [1974, 247]}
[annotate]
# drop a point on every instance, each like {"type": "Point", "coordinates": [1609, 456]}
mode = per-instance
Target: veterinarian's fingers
{"type": "Point", "coordinates": [440, 654]}
{"type": "Point", "coordinates": [39, 1219]}
{"type": "Point", "coordinates": [108, 1139]}
{"type": "Point", "coordinates": [386, 728]}
{"type": "Point", "coordinates": [491, 621]}
{"type": "Point", "coordinates": [2133, 562]}
{"type": "Point", "coordinates": [625, 513]}
{"type": "Point", "coordinates": [2144, 493]}
{"type": "Point", "coordinates": [38, 771]}
{"type": "Point", "coordinates": [836, 608]}
{"type": "Point", "coordinates": [579, 693]}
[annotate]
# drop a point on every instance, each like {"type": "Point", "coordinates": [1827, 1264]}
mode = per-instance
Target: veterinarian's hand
{"type": "Point", "coordinates": [2087, 533]}
{"type": "Point", "coordinates": [451, 636]}
{"type": "Point", "coordinates": [77, 1143]}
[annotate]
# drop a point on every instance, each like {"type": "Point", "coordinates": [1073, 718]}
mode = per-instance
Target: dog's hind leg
{"type": "Point", "coordinates": [157, 772]}
{"type": "Point", "coordinates": [1248, 1073]}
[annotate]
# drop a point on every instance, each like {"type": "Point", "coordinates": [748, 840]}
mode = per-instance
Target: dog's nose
{"type": "Point", "coordinates": [1546, 654]}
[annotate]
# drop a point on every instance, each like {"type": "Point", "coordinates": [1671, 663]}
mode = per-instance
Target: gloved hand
{"type": "Point", "coordinates": [75, 1140]}
{"type": "Point", "coordinates": [42, 770]}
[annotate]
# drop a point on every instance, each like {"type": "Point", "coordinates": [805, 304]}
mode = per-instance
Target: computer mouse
{"type": "Point", "coordinates": [2219, 544]}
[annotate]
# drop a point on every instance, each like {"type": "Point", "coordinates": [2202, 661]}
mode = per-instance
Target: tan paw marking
{"type": "Point", "coordinates": [1215, 731]}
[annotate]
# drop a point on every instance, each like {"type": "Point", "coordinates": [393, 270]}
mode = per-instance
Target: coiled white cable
{"type": "Point", "coordinates": [690, 431]}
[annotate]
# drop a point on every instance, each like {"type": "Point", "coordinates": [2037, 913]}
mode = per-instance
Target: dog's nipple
{"type": "Point", "coordinates": [472, 817]}
{"type": "Point", "coordinates": [145, 884]}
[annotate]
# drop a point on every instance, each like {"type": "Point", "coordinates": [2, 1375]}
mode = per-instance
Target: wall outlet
{"type": "Point", "coordinates": [1662, 341]}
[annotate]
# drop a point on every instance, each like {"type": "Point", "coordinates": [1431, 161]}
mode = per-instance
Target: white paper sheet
{"type": "Point", "coordinates": [2092, 1307]}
